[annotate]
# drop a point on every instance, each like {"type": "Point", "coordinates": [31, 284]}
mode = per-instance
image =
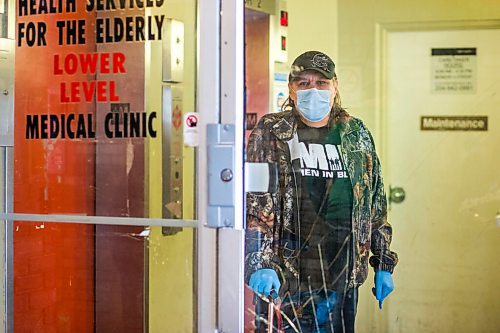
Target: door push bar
{"type": "Point", "coordinates": [259, 177]}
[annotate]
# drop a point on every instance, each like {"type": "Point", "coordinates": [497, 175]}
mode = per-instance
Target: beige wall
{"type": "Point", "coordinates": [346, 31]}
{"type": "Point", "coordinates": [356, 37]}
{"type": "Point", "coordinates": [312, 26]}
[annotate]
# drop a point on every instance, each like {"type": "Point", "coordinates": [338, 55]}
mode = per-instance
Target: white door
{"type": "Point", "coordinates": [446, 231]}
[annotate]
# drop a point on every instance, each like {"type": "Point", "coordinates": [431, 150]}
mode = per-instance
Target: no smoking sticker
{"type": "Point", "coordinates": [191, 120]}
{"type": "Point", "coordinates": [191, 129]}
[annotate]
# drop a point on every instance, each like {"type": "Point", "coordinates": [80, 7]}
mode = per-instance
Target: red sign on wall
{"type": "Point", "coordinates": [177, 117]}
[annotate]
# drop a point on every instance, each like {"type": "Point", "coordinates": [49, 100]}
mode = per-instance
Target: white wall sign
{"type": "Point", "coordinates": [453, 70]}
{"type": "Point", "coordinates": [280, 90]}
{"type": "Point", "coordinates": [191, 129]}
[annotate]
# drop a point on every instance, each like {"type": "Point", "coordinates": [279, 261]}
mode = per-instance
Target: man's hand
{"type": "Point", "coordinates": [383, 286]}
{"type": "Point", "coordinates": [264, 280]}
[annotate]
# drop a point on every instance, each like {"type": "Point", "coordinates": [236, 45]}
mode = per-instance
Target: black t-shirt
{"type": "Point", "coordinates": [325, 192]}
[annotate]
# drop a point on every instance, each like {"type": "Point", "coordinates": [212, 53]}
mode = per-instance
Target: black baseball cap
{"type": "Point", "coordinates": [313, 60]}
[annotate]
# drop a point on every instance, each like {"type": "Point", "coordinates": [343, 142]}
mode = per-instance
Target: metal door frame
{"type": "Point", "coordinates": [6, 239]}
{"type": "Point", "coordinates": [221, 291]}
{"type": "Point", "coordinates": [6, 203]}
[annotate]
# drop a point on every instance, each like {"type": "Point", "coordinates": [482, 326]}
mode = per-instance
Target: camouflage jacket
{"type": "Point", "coordinates": [272, 243]}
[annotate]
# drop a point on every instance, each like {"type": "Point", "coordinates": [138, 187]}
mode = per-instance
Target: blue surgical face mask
{"type": "Point", "coordinates": [313, 104]}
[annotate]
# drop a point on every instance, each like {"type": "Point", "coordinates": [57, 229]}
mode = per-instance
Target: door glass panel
{"type": "Point", "coordinates": [99, 114]}
{"type": "Point", "coordinates": [101, 92]}
{"type": "Point", "coordinates": [100, 278]}
{"type": "Point", "coordinates": [386, 207]}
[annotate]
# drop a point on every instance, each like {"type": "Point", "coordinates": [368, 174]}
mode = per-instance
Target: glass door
{"type": "Point", "coordinates": [104, 192]}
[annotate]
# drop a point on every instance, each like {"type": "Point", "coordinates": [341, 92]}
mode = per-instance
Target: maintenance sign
{"type": "Point", "coordinates": [454, 123]}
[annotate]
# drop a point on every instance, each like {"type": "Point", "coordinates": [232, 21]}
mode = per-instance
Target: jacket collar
{"type": "Point", "coordinates": [285, 126]}
{"type": "Point", "coordinates": [353, 125]}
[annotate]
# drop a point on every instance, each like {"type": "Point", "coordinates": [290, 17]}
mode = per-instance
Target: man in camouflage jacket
{"type": "Point", "coordinates": [271, 233]}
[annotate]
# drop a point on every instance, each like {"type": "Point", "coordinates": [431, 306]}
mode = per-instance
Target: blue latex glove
{"type": "Point", "coordinates": [324, 307]}
{"type": "Point", "coordinates": [383, 286]}
{"type": "Point", "coordinates": [263, 280]}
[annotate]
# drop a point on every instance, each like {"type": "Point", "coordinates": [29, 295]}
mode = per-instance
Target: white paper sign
{"type": "Point", "coordinates": [453, 70]}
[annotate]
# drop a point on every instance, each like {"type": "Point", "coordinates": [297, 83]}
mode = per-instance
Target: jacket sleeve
{"type": "Point", "coordinates": [381, 235]}
{"type": "Point", "coordinates": [259, 234]}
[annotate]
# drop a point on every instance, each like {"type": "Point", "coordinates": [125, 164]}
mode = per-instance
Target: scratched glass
{"type": "Point", "coordinates": [405, 165]}
{"type": "Point", "coordinates": [101, 88]}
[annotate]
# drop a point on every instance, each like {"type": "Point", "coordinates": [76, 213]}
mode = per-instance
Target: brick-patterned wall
{"type": "Point", "coordinates": [53, 262]}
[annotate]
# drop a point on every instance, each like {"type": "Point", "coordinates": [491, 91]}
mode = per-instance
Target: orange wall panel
{"type": "Point", "coordinates": [256, 64]}
{"type": "Point", "coordinates": [53, 262]}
